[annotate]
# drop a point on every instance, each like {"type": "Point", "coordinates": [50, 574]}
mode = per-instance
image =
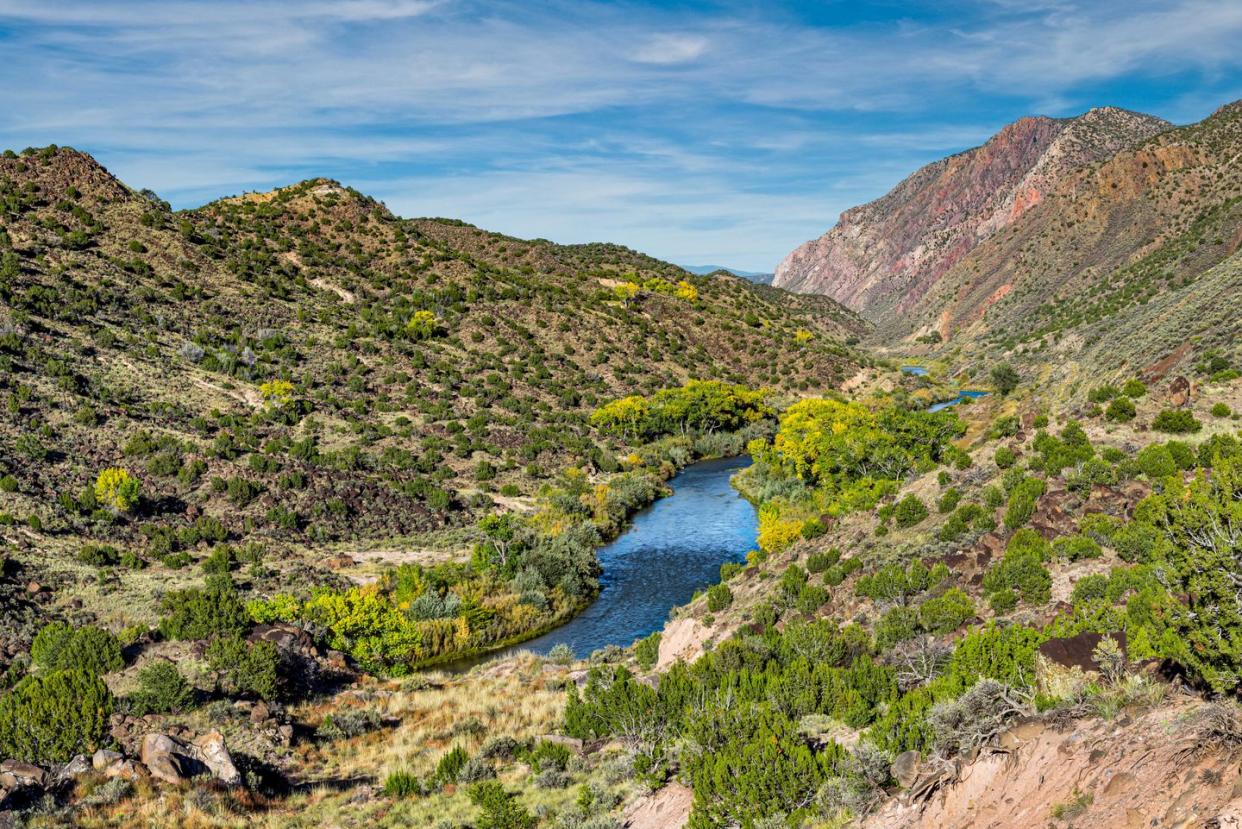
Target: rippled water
{"type": "Point", "coordinates": [674, 547]}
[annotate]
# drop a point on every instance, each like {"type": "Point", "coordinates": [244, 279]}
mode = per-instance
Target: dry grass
{"type": "Point", "coordinates": [340, 782]}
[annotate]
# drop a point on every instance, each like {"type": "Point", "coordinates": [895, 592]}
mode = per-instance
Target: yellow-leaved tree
{"type": "Point", "coordinates": [118, 490]}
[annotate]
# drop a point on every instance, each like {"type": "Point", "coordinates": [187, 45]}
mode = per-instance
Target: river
{"type": "Point", "coordinates": [671, 549]}
{"type": "Point", "coordinates": [964, 394]}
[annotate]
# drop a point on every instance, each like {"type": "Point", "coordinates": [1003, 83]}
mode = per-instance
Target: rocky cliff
{"type": "Point", "coordinates": [882, 258]}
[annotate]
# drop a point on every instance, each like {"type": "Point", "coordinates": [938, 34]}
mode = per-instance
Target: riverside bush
{"type": "Point", "coordinates": [719, 597]}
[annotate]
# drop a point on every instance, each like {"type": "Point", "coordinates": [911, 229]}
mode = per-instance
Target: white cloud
{"type": "Point", "coordinates": [723, 133]}
{"type": "Point", "coordinates": [672, 48]}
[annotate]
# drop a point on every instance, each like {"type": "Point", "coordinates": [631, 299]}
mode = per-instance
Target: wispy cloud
{"type": "Point", "coordinates": [719, 109]}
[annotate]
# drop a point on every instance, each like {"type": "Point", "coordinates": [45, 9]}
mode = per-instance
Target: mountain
{"type": "Point", "coordinates": [753, 276]}
{"type": "Point", "coordinates": [883, 257]}
{"type": "Point", "coordinates": [1119, 266]}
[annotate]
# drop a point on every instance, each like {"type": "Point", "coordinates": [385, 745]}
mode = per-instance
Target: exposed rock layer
{"type": "Point", "coordinates": [882, 257]}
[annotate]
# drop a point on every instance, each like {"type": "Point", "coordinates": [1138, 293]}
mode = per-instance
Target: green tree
{"type": "Point", "coordinates": [1005, 378]}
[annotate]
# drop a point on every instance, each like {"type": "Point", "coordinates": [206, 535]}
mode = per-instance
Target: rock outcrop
{"type": "Point", "coordinates": [883, 257]}
{"type": "Point", "coordinates": [174, 760]}
{"type": "Point", "coordinates": [1100, 773]}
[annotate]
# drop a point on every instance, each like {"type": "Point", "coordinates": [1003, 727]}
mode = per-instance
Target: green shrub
{"type": "Point", "coordinates": [949, 500]}
{"type": "Point", "coordinates": [198, 613]}
{"type": "Point", "coordinates": [98, 555]}
{"type": "Point", "coordinates": [1076, 547]}
{"type": "Point", "coordinates": [161, 690]}
{"type": "Point", "coordinates": [719, 597]}
{"type": "Point", "coordinates": [59, 646]}
{"type": "Point", "coordinates": [1134, 389]}
{"type": "Point", "coordinates": [792, 581]}
{"type": "Point", "coordinates": [1176, 421]}
{"type": "Point", "coordinates": [1121, 410]}
{"type": "Point", "coordinates": [1004, 457]}
{"type": "Point", "coordinates": [1022, 502]}
{"type": "Point", "coordinates": [947, 612]}
{"type": "Point", "coordinates": [498, 808]}
{"type": "Point", "coordinates": [1112, 454]}
{"type": "Point", "coordinates": [1155, 461]}
{"type": "Point", "coordinates": [647, 651]}
{"type": "Point", "coordinates": [1103, 394]}
{"type": "Point", "coordinates": [1003, 601]}
{"type": "Point", "coordinates": [1005, 378]}
{"type": "Point", "coordinates": [896, 625]}
{"type": "Point", "coordinates": [1005, 427]}
{"type": "Point", "coordinates": [820, 561]}
{"type": "Point", "coordinates": [909, 511]}
{"type": "Point", "coordinates": [1221, 410]}
{"type": "Point", "coordinates": [811, 598]}
{"type": "Point", "coordinates": [1022, 569]}
{"type": "Point", "coordinates": [993, 496]}
{"type": "Point", "coordinates": [243, 667]}
{"type": "Point", "coordinates": [813, 529]}
{"type": "Point", "coordinates": [450, 765]}
{"type": "Point", "coordinates": [402, 783]}
{"type": "Point", "coordinates": [49, 717]}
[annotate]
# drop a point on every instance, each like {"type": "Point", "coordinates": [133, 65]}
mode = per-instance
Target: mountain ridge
{"type": "Point", "coordinates": [882, 257]}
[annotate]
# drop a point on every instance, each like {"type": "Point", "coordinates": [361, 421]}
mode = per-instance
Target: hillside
{"type": "Point", "coordinates": [270, 468]}
{"type": "Point", "coordinates": [883, 257]}
{"type": "Point", "coordinates": [304, 372]}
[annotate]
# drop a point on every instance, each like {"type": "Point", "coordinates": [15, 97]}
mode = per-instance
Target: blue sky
{"type": "Point", "coordinates": [701, 132]}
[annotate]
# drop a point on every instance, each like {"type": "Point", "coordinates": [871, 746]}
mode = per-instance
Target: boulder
{"type": "Point", "coordinates": [103, 758]}
{"type": "Point", "coordinates": [174, 760]}
{"type": "Point", "coordinates": [76, 767]}
{"type": "Point", "coordinates": [167, 758]}
{"type": "Point", "coordinates": [1179, 392]}
{"type": "Point", "coordinates": [125, 769]}
{"type": "Point", "coordinates": [905, 768]}
{"type": "Point", "coordinates": [666, 808]}
{"type": "Point", "coordinates": [211, 752]}
{"type": "Point", "coordinates": [18, 775]}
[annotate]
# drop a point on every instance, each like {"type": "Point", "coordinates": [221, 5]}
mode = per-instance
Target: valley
{"type": "Point", "coordinates": [316, 515]}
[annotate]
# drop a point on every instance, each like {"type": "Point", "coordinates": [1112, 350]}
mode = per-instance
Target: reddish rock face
{"type": "Point", "coordinates": [883, 257]}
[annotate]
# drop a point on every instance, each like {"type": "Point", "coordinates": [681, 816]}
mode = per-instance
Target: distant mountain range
{"type": "Point", "coordinates": [753, 276]}
{"type": "Point", "coordinates": [1100, 242]}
